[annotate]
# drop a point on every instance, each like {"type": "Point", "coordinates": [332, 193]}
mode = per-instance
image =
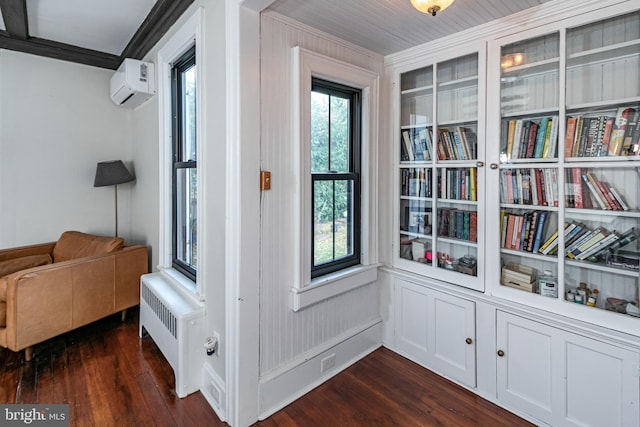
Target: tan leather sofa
{"type": "Point", "coordinates": [52, 288]}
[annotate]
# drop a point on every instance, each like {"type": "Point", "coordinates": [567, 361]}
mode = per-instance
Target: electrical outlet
{"type": "Point", "coordinates": [328, 363]}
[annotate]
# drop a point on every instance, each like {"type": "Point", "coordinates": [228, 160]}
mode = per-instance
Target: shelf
{"type": "Point", "coordinates": [454, 84]}
{"type": "Point", "coordinates": [473, 163]}
{"type": "Point", "coordinates": [603, 162]}
{"type": "Point", "coordinates": [531, 255]}
{"type": "Point", "coordinates": [517, 163]}
{"type": "Point", "coordinates": [600, 212]}
{"type": "Point", "coordinates": [417, 235]}
{"type": "Point", "coordinates": [538, 67]}
{"type": "Point", "coordinates": [458, 241]}
{"type": "Point", "coordinates": [406, 164]}
{"type": "Point", "coordinates": [531, 113]}
{"type": "Point", "coordinates": [416, 198]}
{"type": "Point", "coordinates": [598, 105]}
{"type": "Point", "coordinates": [456, 201]}
{"type": "Point", "coordinates": [417, 126]}
{"type": "Point", "coordinates": [417, 89]}
{"type": "Point", "coordinates": [602, 268]}
{"type": "Point", "coordinates": [529, 207]}
{"type": "Point", "coordinates": [608, 48]}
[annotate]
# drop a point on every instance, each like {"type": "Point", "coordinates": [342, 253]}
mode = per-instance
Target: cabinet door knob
{"type": "Point", "coordinates": [469, 341]}
{"type": "Point", "coordinates": [480, 164]}
{"type": "Point", "coordinates": [500, 353]}
{"type": "Point", "coordinates": [494, 166]}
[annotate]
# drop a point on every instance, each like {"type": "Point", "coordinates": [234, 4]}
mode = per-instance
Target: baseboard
{"type": "Point", "coordinates": [213, 389]}
{"type": "Point", "coordinates": [279, 390]}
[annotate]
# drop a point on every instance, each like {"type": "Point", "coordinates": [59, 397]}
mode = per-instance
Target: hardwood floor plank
{"type": "Point", "coordinates": [111, 377]}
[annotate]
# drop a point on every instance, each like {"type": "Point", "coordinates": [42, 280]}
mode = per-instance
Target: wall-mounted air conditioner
{"type": "Point", "coordinates": [133, 83]}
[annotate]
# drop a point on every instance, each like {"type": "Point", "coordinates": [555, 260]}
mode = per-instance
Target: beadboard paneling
{"type": "Point", "coordinates": [286, 335]}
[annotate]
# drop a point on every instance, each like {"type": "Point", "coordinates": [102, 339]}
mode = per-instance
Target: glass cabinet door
{"type": "Point", "coordinates": [528, 179]}
{"type": "Point", "coordinates": [438, 171]}
{"type": "Point", "coordinates": [602, 165]}
{"type": "Point", "coordinates": [567, 164]}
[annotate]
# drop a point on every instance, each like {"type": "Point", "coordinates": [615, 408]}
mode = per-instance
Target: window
{"type": "Point", "coordinates": [335, 176]}
{"type": "Point", "coordinates": [185, 183]}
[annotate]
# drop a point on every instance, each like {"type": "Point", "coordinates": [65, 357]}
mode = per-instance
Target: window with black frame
{"type": "Point", "coordinates": [185, 180]}
{"type": "Point", "coordinates": [335, 176]}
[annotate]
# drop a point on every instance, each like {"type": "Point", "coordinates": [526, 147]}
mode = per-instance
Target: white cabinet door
{"type": "Point", "coordinates": [565, 379]}
{"type": "Point", "coordinates": [436, 330]}
{"type": "Point", "coordinates": [452, 337]}
{"type": "Point", "coordinates": [602, 384]}
{"type": "Point", "coordinates": [527, 378]}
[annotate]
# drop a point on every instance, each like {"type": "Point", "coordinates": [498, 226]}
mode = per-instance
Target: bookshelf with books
{"type": "Point", "coordinates": [574, 185]}
{"type": "Point", "coordinates": [438, 151]}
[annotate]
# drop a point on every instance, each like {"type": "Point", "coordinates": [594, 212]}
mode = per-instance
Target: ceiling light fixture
{"type": "Point", "coordinates": [431, 6]}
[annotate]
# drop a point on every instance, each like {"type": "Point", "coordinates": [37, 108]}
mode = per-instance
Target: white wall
{"type": "Point", "coordinates": [56, 122]}
{"type": "Point", "coordinates": [288, 338]}
{"type": "Point", "coordinates": [146, 146]}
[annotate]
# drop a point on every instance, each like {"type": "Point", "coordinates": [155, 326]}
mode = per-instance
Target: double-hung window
{"type": "Point", "coordinates": [185, 184]}
{"type": "Point", "coordinates": [335, 176]}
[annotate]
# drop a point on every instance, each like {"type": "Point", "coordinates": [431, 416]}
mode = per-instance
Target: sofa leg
{"type": "Point", "coordinates": [28, 354]}
{"type": "Point", "coordinates": [123, 315]}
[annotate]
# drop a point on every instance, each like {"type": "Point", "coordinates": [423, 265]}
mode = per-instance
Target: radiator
{"type": "Point", "coordinates": [175, 322]}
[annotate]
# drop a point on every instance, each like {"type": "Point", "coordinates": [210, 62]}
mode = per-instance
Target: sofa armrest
{"type": "Point", "coordinates": [39, 249]}
{"type": "Point", "coordinates": [46, 301]}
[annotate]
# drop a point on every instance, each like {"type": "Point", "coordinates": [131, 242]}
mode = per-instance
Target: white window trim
{"type": "Point", "coordinates": [305, 65]}
{"type": "Point", "coordinates": [190, 33]}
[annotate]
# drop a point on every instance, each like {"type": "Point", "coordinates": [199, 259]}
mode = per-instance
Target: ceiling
{"type": "Point", "coordinates": [93, 32]}
{"type": "Point", "coordinates": [103, 32]}
{"type": "Point", "coordinates": [389, 26]}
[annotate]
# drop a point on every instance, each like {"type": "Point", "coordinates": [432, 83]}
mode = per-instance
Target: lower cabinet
{"type": "Point", "coordinates": [562, 378]}
{"type": "Point", "coordinates": [437, 330]}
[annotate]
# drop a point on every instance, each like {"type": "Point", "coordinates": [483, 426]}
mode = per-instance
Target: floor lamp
{"type": "Point", "coordinates": [112, 172]}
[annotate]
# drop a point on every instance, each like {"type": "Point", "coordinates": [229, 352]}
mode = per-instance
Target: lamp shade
{"type": "Point", "coordinates": [112, 173]}
{"type": "Point", "coordinates": [431, 6]}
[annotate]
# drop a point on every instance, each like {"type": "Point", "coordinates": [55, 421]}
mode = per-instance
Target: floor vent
{"type": "Point", "coordinates": [175, 322]}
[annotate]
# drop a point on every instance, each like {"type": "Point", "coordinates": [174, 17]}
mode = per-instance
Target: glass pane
{"type": "Point", "coordinates": [186, 219]}
{"type": "Point", "coordinates": [458, 90]}
{"type": "Point", "coordinates": [333, 220]}
{"type": "Point", "coordinates": [189, 114]}
{"type": "Point", "coordinates": [330, 133]}
{"type": "Point", "coordinates": [319, 132]}
{"type": "Point", "coordinates": [530, 76]}
{"type": "Point", "coordinates": [416, 107]}
{"type": "Point", "coordinates": [339, 134]}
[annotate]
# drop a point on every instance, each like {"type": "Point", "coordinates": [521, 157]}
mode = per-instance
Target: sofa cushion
{"type": "Point", "coordinates": [12, 265]}
{"type": "Point", "coordinates": [74, 244]}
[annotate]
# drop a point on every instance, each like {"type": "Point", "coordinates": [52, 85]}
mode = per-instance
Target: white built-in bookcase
{"type": "Point", "coordinates": [575, 80]}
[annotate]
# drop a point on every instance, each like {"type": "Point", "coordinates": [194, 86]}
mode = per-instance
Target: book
{"type": "Point", "coordinates": [597, 235]}
{"type": "Point", "coordinates": [619, 129]}
{"type": "Point", "coordinates": [570, 135]}
{"type": "Point", "coordinates": [628, 133]}
{"type": "Point", "coordinates": [627, 237]}
{"type": "Point", "coordinates": [595, 194]}
{"type": "Point", "coordinates": [533, 136]}
{"type": "Point", "coordinates": [552, 243]}
{"type": "Point", "coordinates": [408, 146]}
{"type": "Point", "coordinates": [540, 231]}
{"type": "Point", "coordinates": [604, 243]}
{"type": "Point", "coordinates": [606, 136]}
{"type": "Point", "coordinates": [578, 200]}
{"type": "Point", "coordinates": [543, 131]}
{"type": "Point", "coordinates": [510, 134]}
{"type": "Point", "coordinates": [551, 139]}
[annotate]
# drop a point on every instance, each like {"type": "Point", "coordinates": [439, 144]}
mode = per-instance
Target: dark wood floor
{"type": "Point", "coordinates": [110, 377]}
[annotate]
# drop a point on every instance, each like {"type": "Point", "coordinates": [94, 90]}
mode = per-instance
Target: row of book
{"type": "Point", "coordinates": [530, 138]}
{"type": "Point", "coordinates": [585, 190]}
{"type": "Point", "coordinates": [603, 135]}
{"type": "Point", "coordinates": [458, 184]}
{"type": "Point", "coordinates": [453, 184]}
{"type": "Point", "coordinates": [459, 143]}
{"type": "Point", "coordinates": [415, 182]}
{"type": "Point", "coordinates": [585, 243]}
{"type": "Point", "coordinates": [416, 145]}
{"type": "Point", "coordinates": [537, 187]}
{"type": "Point", "coordinates": [458, 224]}
{"type": "Point", "coordinates": [523, 232]}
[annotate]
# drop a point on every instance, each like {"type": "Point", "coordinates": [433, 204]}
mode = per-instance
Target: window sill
{"type": "Point", "coordinates": [185, 284]}
{"type": "Point", "coordinates": [330, 285]}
